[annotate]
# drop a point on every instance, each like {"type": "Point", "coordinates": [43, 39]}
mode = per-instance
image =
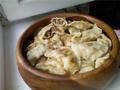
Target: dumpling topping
{"type": "Point", "coordinates": [63, 47]}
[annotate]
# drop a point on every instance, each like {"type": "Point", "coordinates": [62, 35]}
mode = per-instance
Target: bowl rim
{"type": "Point", "coordinates": [21, 59]}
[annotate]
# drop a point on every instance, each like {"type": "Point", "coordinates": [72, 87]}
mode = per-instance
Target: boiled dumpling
{"type": "Point", "coordinates": [76, 51]}
{"type": "Point", "coordinates": [104, 40]}
{"type": "Point", "coordinates": [75, 32]}
{"type": "Point", "coordinates": [69, 60]}
{"type": "Point", "coordinates": [55, 42]}
{"type": "Point", "coordinates": [35, 53]}
{"type": "Point", "coordinates": [43, 35]}
{"type": "Point", "coordinates": [81, 25]}
{"type": "Point", "coordinates": [58, 21]}
{"type": "Point", "coordinates": [66, 38]}
{"type": "Point", "coordinates": [60, 24]}
{"type": "Point", "coordinates": [91, 34]}
{"type": "Point", "coordinates": [100, 60]}
{"type": "Point", "coordinates": [66, 56]}
{"type": "Point", "coordinates": [52, 65]}
{"type": "Point", "coordinates": [86, 69]}
{"type": "Point", "coordinates": [86, 65]}
{"type": "Point", "coordinates": [89, 50]}
{"type": "Point", "coordinates": [92, 50]}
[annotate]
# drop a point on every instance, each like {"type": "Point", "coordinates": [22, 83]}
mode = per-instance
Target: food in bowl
{"type": "Point", "coordinates": [69, 47]}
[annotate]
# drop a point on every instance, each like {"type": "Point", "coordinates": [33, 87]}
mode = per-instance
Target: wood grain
{"type": "Point", "coordinates": [96, 79]}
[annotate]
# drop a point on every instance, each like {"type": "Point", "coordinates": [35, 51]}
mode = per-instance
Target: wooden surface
{"type": "Point", "coordinates": [39, 80]}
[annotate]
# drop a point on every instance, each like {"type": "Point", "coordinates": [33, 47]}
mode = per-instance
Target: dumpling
{"type": "Point", "coordinates": [76, 51]}
{"type": "Point", "coordinates": [69, 60]}
{"type": "Point", "coordinates": [75, 32]}
{"type": "Point", "coordinates": [66, 56]}
{"type": "Point", "coordinates": [51, 65]}
{"type": "Point", "coordinates": [81, 25]}
{"type": "Point", "coordinates": [89, 50]}
{"type": "Point", "coordinates": [86, 69]}
{"type": "Point", "coordinates": [52, 53]}
{"type": "Point", "coordinates": [93, 50]}
{"type": "Point", "coordinates": [55, 42]}
{"type": "Point", "coordinates": [58, 21]}
{"type": "Point", "coordinates": [100, 61]}
{"type": "Point", "coordinates": [44, 34]}
{"type": "Point", "coordinates": [104, 40]}
{"type": "Point", "coordinates": [91, 34]}
{"type": "Point", "coordinates": [66, 38]}
{"type": "Point", "coordinates": [35, 53]}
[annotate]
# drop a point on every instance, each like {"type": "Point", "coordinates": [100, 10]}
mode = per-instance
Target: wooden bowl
{"type": "Point", "coordinates": [96, 79]}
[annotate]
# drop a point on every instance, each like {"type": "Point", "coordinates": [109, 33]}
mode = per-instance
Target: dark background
{"type": "Point", "coordinates": [106, 10]}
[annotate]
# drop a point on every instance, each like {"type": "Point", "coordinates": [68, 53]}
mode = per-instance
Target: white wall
{"type": "Point", "coordinates": [1, 60]}
{"type": "Point", "coordinates": [15, 10]}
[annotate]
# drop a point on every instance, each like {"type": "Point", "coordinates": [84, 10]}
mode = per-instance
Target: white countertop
{"type": "Point", "coordinates": [13, 79]}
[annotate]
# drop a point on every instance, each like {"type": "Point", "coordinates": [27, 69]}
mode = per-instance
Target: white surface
{"type": "Point", "coordinates": [1, 60]}
{"type": "Point", "coordinates": [15, 10]}
{"type": "Point", "coordinates": [11, 34]}
{"type": "Point", "coordinates": [13, 79]}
